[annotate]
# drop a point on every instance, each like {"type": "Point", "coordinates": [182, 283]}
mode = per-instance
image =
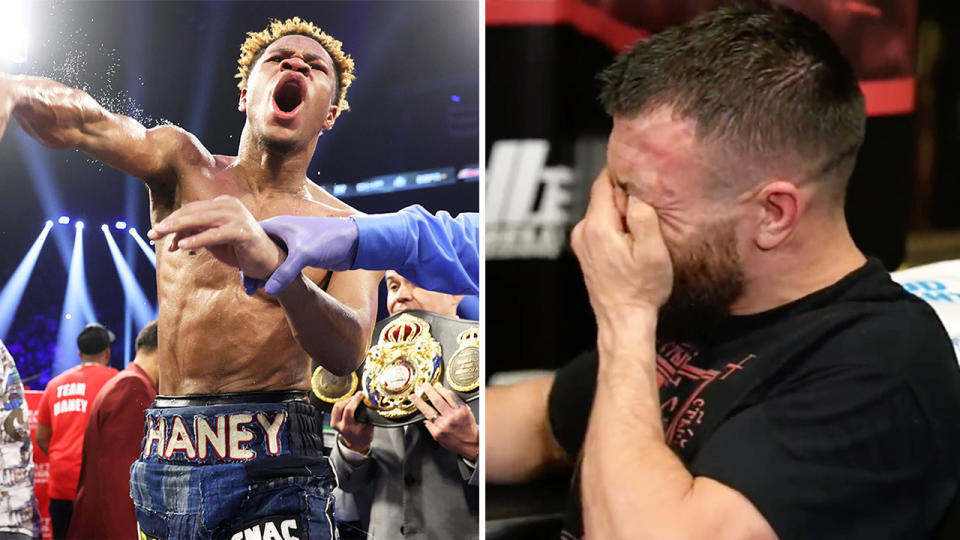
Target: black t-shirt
{"type": "Point", "coordinates": [837, 415]}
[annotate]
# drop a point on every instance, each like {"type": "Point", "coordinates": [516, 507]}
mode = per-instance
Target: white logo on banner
{"type": "Point", "coordinates": [527, 205]}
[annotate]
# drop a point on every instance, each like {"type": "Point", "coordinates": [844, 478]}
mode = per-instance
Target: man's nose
{"type": "Point", "coordinates": [295, 64]}
{"type": "Point", "coordinates": [405, 294]}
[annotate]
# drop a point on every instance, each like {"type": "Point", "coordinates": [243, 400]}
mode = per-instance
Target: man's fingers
{"type": "Point", "coordinates": [193, 216]}
{"type": "Point", "coordinates": [199, 213]}
{"type": "Point", "coordinates": [602, 206]}
{"type": "Point", "coordinates": [350, 410]}
{"type": "Point", "coordinates": [437, 400]}
{"type": "Point", "coordinates": [336, 415]}
{"type": "Point", "coordinates": [641, 217]}
{"type": "Point", "coordinates": [216, 236]}
{"type": "Point", "coordinates": [424, 407]}
{"type": "Point", "coordinates": [448, 395]}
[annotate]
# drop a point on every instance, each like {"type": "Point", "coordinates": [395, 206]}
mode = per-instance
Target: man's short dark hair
{"type": "Point", "coordinates": [761, 80]}
{"type": "Point", "coordinates": [147, 338]}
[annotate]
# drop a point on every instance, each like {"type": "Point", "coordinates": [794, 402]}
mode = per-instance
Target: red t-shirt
{"type": "Point", "coordinates": [65, 407]}
{"type": "Point", "coordinates": [103, 508]}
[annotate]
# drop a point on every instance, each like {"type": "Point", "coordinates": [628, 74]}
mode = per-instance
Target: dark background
{"type": "Point", "coordinates": [175, 61]}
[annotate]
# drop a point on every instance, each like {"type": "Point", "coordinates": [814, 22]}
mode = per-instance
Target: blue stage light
{"type": "Point", "coordinates": [147, 250]}
{"type": "Point", "coordinates": [64, 220]}
{"type": "Point", "coordinates": [76, 304]}
{"type": "Point", "coordinates": [455, 98]}
{"type": "Point", "coordinates": [120, 225]}
{"type": "Point", "coordinates": [12, 292]}
{"type": "Point", "coordinates": [142, 310]}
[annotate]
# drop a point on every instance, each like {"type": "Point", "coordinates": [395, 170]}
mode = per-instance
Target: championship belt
{"type": "Point", "coordinates": [411, 349]}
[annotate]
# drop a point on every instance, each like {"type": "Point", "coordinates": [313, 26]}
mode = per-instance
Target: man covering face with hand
{"type": "Point", "coordinates": [756, 376]}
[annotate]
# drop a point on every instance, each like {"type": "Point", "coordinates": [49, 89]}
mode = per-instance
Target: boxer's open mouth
{"type": "Point", "coordinates": [289, 95]}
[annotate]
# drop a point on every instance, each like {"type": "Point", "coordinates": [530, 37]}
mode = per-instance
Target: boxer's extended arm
{"type": "Point", "coordinates": [519, 441]}
{"type": "Point", "coordinates": [59, 116]}
{"type": "Point", "coordinates": [333, 327]}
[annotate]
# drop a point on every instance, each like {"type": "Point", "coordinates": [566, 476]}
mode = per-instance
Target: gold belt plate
{"type": "Point", "coordinates": [405, 358]}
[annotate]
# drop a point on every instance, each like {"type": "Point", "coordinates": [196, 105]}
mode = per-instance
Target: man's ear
{"type": "Point", "coordinates": [331, 118]}
{"type": "Point", "coordinates": [781, 205]}
{"type": "Point", "coordinates": [242, 106]}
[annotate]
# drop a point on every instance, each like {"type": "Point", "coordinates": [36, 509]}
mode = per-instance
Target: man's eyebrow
{"type": "Point", "coordinates": [307, 56]}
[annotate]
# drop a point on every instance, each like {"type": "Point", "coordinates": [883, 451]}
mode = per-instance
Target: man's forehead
{"type": "Point", "coordinates": [301, 44]}
{"type": "Point", "coordinates": [659, 131]}
{"type": "Point", "coordinates": [652, 154]}
{"type": "Point", "coordinates": [652, 136]}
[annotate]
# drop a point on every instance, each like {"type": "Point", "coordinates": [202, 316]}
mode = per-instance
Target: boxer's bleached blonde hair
{"type": "Point", "coordinates": [257, 42]}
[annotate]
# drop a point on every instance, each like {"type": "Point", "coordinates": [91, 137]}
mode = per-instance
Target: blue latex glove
{"type": "Point", "coordinates": [329, 243]}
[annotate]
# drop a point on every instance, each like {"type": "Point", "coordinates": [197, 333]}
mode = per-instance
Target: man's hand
{"type": "Point", "coordinates": [322, 242]}
{"type": "Point", "coordinates": [358, 436]}
{"type": "Point", "coordinates": [227, 229]}
{"type": "Point", "coordinates": [450, 421]}
{"type": "Point", "coordinates": [625, 263]}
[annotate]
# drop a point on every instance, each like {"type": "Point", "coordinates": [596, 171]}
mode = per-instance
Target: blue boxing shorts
{"type": "Point", "coordinates": [233, 467]}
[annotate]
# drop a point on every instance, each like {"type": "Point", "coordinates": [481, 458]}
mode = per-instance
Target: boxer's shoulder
{"type": "Point", "coordinates": [312, 201]}
{"type": "Point", "coordinates": [327, 204]}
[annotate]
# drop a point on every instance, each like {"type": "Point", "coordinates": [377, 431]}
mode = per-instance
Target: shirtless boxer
{"type": "Point", "coordinates": [233, 368]}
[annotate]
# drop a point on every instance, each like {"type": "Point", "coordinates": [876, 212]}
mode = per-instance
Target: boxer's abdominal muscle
{"type": "Point", "coordinates": [215, 338]}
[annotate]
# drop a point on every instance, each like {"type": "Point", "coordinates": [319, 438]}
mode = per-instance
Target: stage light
{"type": "Point", "coordinates": [76, 303]}
{"type": "Point", "coordinates": [14, 28]}
{"type": "Point", "coordinates": [143, 312]}
{"type": "Point", "coordinates": [104, 227]}
{"type": "Point", "coordinates": [12, 292]}
{"type": "Point", "coordinates": [41, 172]}
{"type": "Point", "coordinates": [120, 225]}
{"type": "Point", "coordinates": [146, 249]}
{"type": "Point", "coordinates": [64, 220]}
{"type": "Point", "coordinates": [455, 98]}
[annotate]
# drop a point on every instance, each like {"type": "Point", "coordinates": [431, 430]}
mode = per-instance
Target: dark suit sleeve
{"type": "Point", "coordinates": [352, 477]}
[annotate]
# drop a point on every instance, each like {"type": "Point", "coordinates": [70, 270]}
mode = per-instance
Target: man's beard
{"type": "Point", "coordinates": [282, 147]}
{"type": "Point", "coordinates": [707, 278]}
